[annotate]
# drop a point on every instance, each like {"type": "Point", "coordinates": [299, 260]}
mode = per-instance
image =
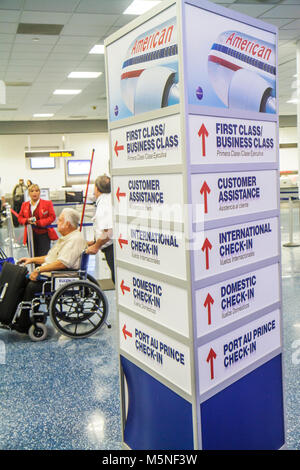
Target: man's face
{"type": "Point", "coordinates": [62, 226]}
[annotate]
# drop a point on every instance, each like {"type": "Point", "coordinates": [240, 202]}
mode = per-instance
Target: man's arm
{"type": "Point", "coordinates": [95, 247]}
{"type": "Point", "coordinates": [36, 260]}
{"type": "Point", "coordinates": [55, 266]}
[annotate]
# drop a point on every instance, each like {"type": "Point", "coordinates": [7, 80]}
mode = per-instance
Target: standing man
{"type": "Point", "coordinates": [18, 199]}
{"type": "Point", "coordinates": [103, 231]}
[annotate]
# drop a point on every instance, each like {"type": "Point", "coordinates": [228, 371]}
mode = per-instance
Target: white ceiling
{"type": "Point", "coordinates": [45, 63]}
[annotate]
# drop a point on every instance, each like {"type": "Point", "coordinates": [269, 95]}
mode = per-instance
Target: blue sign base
{"type": "Point", "coordinates": [157, 418]}
{"type": "Point", "coordinates": [247, 415]}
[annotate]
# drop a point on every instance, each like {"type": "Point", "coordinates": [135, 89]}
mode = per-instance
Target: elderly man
{"type": "Point", "coordinates": [65, 254]}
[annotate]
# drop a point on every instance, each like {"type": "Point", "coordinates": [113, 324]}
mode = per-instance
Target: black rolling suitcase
{"type": "Point", "coordinates": [12, 286]}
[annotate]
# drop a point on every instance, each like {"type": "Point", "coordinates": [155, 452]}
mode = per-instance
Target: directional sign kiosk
{"type": "Point", "coordinates": [193, 124]}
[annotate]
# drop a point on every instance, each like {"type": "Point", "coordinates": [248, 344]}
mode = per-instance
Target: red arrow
{"type": "Point", "coordinates": [203, 133]}
{"type": "Point", "coordinates": [205, 247]}
{"type": "Point", "coordinates": [126, 333]}
{"type": "Point", "coordinates": [118, 147]}
{"type": "Point", "coordinates": [210, 358]}
{"type": "Point", "coordinates": [122, 241]}
{"type": "Point", "coordinates": [123, 287]}
{"type": "Point", "coordinates": [208, 302]}
{"type": "Point", "coordinates": [120, 194]}
{"type": "Point", "coordinates": [205, 190]}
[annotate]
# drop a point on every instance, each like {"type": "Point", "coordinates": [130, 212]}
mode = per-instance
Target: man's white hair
{"type": "Point", "coordinates": [71, 216]}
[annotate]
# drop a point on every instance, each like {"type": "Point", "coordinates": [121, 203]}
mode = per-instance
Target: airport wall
{"type": "Point", "coordinates": [288, 149]}
{"type": "Point", "coordinates": [13, 164]}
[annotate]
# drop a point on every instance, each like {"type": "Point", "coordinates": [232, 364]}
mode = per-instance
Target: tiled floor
{"type": "Point", "coordinates": [291, 328]}
{"type": "Point", "coordinates": [60, 393]}
{"type": "Point", "coordinates": [64, 394]}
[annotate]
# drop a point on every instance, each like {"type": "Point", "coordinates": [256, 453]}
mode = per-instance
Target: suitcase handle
{"type": "Point", "coordinates": [4, 289]}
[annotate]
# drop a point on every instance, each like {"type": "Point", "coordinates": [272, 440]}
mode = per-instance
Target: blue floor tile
{"type": "Point", "coordinates": [64, 394]}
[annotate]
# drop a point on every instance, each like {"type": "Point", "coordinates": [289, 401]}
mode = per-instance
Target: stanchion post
{"type": "Point", "coordinates": [86, 191]}
{"type": "Point", "coordinates": [10, 230]}
{"type": "Point", "coordinates": [291, 243]}
{"type": "Point", "coordinates": [30, 245]}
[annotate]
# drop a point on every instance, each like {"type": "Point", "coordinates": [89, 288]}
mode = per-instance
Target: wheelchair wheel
{"type": "Point", "coordinates": [78, 309]}
{"type": "Point", "coordinates": [37, 332]}
{"type": "Point", "coordinates": [91, 279]}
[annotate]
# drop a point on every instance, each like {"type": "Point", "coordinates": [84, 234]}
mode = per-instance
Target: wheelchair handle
{"type": "Point", "coordinates": [4, 289]}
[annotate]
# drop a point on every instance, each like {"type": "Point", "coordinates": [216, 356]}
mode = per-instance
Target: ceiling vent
{"type": "Point", "coordinates": [18, 83]}
{"type": "Point", "coordinates": [39, 29]}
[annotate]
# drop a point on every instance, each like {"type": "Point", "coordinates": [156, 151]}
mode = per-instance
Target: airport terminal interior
{"type": "Point", "coordinates": [61, 393]}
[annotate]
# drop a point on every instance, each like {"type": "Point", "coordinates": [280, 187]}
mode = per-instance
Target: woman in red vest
{"type": "Point", "coordinates": [39, 213]}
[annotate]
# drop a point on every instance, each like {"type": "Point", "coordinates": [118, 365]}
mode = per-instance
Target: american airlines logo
{"type": "Point", "coordinates": [253, 48]}
{"type": "Point", "coordinates": [156, 39]}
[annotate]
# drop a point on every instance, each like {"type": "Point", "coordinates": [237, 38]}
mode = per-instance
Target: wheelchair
{"type": "Point", "coordinates": [74, 301]}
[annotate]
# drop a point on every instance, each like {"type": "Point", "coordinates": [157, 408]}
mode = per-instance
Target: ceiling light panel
{"type": "Point", "coordinates": [43, 115]}
{"type": "Point", "coordinates": [84, 74]}
{"type": "Point", "coordinates": [138, 7]}
{"type": "Point", "coordinates": [97, 49]}
{"type": "Point", "coordinates": [66, 92]}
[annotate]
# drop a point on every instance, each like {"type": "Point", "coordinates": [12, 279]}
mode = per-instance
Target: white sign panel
{"type": "Point", "coordinates": [234, 246]}
{"type": "Point", "coordinates": [221, 195]}
{"type": "Point", "coordinates": [156, 142]}
{"type": "Point", "coordinates": [216, 140]}
{"type": "Point", "coordinates": [158, 301]}
{"type": "Point", "coordinates": [223, 303]}
{"type": "Point", "coordinates": [152, 248]}
{"type": "Point", "coordinates": [143, 67]}
{"type": "Point", "coordinates": [162, 354]}
{"type": "Point", "coordinates": [222, 358]}
{"type": "Point", "coordinates": [230, 65]}
{"type": "Point", "coordinates": [157, 197]}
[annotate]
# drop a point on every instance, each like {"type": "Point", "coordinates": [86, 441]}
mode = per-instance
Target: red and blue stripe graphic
{"type": "Point", "coordinates": [163, 53]}
{"type": "Point", "coordinates": [231, 53]}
